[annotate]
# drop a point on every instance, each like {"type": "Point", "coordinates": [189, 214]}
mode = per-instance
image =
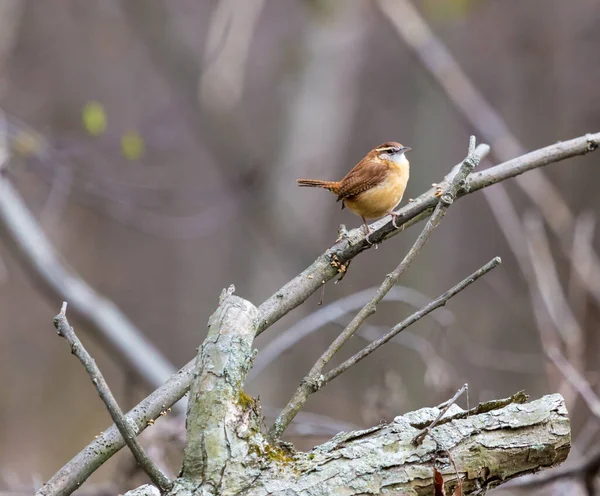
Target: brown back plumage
{"type": "Point", "coordinates": [365, 175]}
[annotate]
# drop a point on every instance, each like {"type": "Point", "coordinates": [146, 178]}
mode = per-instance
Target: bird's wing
{"type": "Point", "coordinates": [362, 177]}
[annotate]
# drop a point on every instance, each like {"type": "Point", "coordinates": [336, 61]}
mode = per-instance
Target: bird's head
{"type": "Point", "coordinates": [393, 151]}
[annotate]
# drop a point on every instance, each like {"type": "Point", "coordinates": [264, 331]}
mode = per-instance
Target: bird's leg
{"type": "Point", "coordinates": [395, 215]}
{"type": "Point", "coordinates": [368, 231]}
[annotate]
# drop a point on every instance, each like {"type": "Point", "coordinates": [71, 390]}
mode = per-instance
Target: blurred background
{"type": "Point", "coordinates": [157, 146]}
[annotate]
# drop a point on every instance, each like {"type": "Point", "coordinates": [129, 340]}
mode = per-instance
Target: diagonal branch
{"type": "Point", "coordinates": [65, 330]}
{"type": "Point", "coordinates": [438, 302]}
{"type": "Point", "coordinates": [313, 380]}
{"type": "Point", "coordinates": [332, 313]}
{"type": "Point", "coordinates": [296, 292]}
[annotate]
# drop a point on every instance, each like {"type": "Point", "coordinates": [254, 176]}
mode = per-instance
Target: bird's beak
{"type": "Point", "coordinates": [405, 149]}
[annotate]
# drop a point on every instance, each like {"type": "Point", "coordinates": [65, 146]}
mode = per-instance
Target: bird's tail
{"type": "Point", "coordinates": [332, 186]}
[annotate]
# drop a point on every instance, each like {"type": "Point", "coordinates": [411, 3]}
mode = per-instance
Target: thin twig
{"type": "Point", "coordinates": [333, 312]}
{"type": "Point", "coordinates": [293, 294]}
{"type": "Point", "coordinates": [438, 302]}
{"type": "Point", "coordinates": [312, 381]}
{"type": "Point", "coordinates": [576, 379]}
{"type": "Point", "coordinates": [65, 330]}
{"type": "Point", "coordinates": [446, 406]}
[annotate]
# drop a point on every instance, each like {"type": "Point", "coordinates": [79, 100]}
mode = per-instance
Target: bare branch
{"type": "Point", "coordinates": [333, 313]}
{"type": "Point", "coordinates": [438, 302]}
{"type": "Point", "coordinates": [296, 292]}
{"type": "Point", "coordinates": [313, 380]}
{"type": "Point", "coordinates": [65, 330]}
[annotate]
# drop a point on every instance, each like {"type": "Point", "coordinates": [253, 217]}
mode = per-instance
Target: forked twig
{"type": "Point", "coordinates": [438, 302]}
{"type": "Point", "coordinates": [64, 329]}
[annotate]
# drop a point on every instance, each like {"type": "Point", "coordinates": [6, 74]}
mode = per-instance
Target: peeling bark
{"type": "Point", "coordinates": [223, 423]}
{"type": "Point", "coordinates": [487, 449]}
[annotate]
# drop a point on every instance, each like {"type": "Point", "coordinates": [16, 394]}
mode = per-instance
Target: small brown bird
{"type": "Point", "coordinates": [374, 187]}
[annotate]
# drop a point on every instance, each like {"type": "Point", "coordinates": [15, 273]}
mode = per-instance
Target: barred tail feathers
{"type": "Point", "coordinates": [332, 186]}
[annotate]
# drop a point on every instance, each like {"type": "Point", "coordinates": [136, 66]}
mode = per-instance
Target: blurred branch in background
{"type": "Point", "coordinates": [228, 41]}
{"type": "Point", "coordinates": [576, 379]}
{"type": "Point", "coordinates": [552, 295]}
{"type": "Point", "coordinates": [318, 114]}
{"type": "Point", "coordinates": [581, 261]}
{"type": "Point", "coordinates": [438, 302]}
{"type": "Point", "coordinates": [228, 140]}
{"type": "Point", "coordinates": [122, 202]}
{"type": "Point", "coordinates": [11, 12]}
{"type": "Point", "coordinates": [102, 316]}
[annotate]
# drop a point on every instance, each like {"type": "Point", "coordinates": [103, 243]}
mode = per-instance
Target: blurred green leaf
{"type": "Point", "coordinates": [94, 118]}
{"type": "Point", "coordinates": [447, 9]}
{"type": "Point", "coordinates": [132, 145]}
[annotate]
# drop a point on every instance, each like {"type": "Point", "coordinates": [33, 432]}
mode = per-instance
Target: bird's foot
{"type": "Point", "coordinates": [368, 240]}
{"type": "Point", "coordinates": [368, 233]}
{"type": "Point", "coordinates": [395, 216]}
